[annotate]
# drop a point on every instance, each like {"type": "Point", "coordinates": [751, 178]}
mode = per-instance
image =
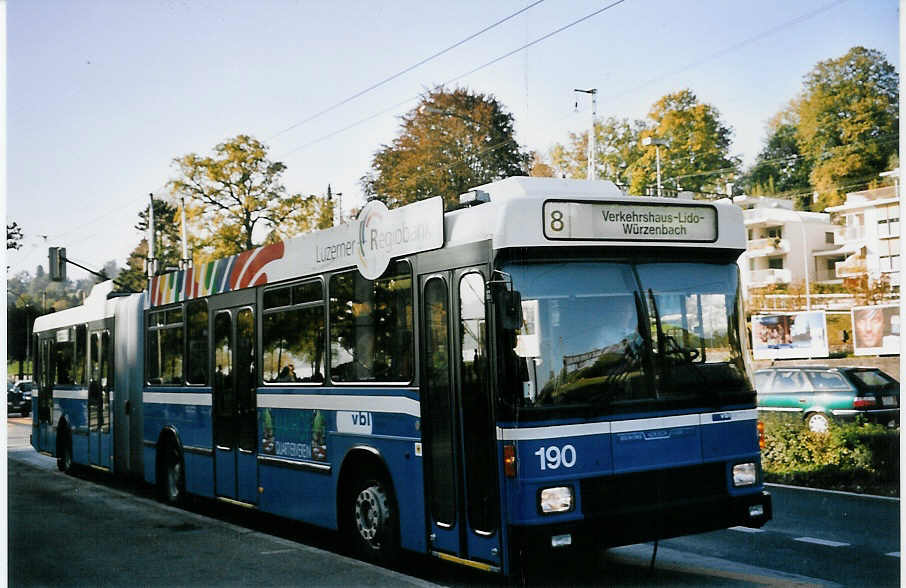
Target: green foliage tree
{"type": "Point", "coordinates": [780, 167]}
{"type": "Point", "coordinates": [698, 156]}
{"type": "Point", "coordinates": [235, 198]}
{"type": "Point", "coordinates": [13, 235]}
{"type": "Point", "coordinates": [452, 141]}
{"type": "Point", "coordinates": [617, 148]}
{"type": "Point", "coordinates": [848, 120]}
{"type": "Point", "coordinates": [167, 244]}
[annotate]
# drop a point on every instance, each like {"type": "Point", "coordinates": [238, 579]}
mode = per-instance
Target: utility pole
{"type": "Point", "coordinates": [648, 141]}
{"type": "Point", "coordinates": [592, 138]}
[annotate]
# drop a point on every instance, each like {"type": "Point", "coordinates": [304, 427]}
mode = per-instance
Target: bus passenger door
{"type": "Point", "coordinates": [45, 396]}
{"type": "Point", "coordinates": [100, 382]}
{"type": "Point", "coordinates": [235, 410]}
{"type": "Point", "coordinates": [457, 424]}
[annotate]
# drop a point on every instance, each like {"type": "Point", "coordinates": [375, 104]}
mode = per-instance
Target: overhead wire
{"type": "Point", "coordinates": [456, 78]}
{"type": "Point", "coordinates": [406, 70]}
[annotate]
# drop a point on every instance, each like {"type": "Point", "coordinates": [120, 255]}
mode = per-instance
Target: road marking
{"type": "Point", "coordinates": [746, 530]}
{"type": "Point", "coordinates": [821, 542]}
{"type": "Point", "coordinates": [277, 551]}
{"type": "Point", "coordinates": [893, 554]}
{"type": "Point", "coordinates": [837, 492]}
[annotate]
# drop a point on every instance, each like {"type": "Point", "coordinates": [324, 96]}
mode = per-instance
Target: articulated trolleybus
{"type": "Point", "coordinates": [552, 365]}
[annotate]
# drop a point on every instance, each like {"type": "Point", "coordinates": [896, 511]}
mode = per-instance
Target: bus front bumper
{"type": "Point", "coordinates": [640, 524]}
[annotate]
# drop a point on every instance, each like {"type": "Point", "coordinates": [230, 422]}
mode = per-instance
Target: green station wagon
{"type": "Point", "coordinates": [822, 394]}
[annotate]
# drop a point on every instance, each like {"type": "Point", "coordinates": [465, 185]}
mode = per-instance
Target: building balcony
{"type": "Point", "coordinates": [853, 233]}
{"type": "Point", "coordinates": [852, 267]}
{"type": "Point", "coordinates": [763, 217]}
{"type": "Point", "coordinates": [827, 275]}
{"type": "Point", "coordinates": [769, 277]}
{"type": "Point", "coordinates": [768, 246]}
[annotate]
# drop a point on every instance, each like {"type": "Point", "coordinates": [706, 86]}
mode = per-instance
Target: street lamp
{"type": "Point", "coordinates": [592, 139]}
{"type": "Point", "coordinates": [647, 142]}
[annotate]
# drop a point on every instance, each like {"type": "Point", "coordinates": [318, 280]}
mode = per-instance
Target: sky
{"type": "Point", "coordinates": [103, 95]}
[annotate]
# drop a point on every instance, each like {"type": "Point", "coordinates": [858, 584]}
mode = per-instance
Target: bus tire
{"type": "Point", "coordinates": [64, 450]}
{"type": "Point", "coordinates": [372, 519]}
{"type": "Point", "coordinates": [172, 480]}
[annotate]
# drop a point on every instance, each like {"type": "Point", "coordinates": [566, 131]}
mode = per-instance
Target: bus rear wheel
{"type": "Point", "coordinates": [172, 482]}
{"type": "Point", "coordinates": [372, 515]}
{"type": "Point", "coordinates": [64, 452]}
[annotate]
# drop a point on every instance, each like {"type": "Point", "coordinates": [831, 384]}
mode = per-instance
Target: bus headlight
{"type": "Point", "coordinates": [744, 474]}
{"type": "Point", "coordinates": [559, 499]}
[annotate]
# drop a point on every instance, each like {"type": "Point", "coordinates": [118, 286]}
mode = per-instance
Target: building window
{"type": "Point", "coordinates": [775, 263]}
{"type": "Point", "coordinates": [829, 238]}
{"type": "Point", "coordinates": [775, 233]}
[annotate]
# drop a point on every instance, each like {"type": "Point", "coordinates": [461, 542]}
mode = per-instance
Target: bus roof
{"type": "Point", "coordinates": [95, 307]}
{"type": "Point", "coordinates": [551, 212]}
{"type": "Point", "coordinates": [515, 212]}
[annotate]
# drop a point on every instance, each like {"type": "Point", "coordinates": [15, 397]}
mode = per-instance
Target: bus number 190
{"type": "Point", "coordinates": [551, 458]}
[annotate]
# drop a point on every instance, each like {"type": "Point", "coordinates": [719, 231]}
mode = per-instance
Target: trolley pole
{"type": "Point", "coordinates": [592, 139]}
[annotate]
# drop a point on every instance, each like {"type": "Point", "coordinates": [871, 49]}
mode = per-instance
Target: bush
{"type": "Point", "coordinates": [855, 457]}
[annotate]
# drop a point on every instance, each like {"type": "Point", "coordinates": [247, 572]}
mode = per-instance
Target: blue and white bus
{"type": "Point", "coordinates": [552, 365]}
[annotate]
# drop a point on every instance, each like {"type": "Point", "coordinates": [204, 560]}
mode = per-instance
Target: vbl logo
{"type": "Point", "coordinates": [358, 421]}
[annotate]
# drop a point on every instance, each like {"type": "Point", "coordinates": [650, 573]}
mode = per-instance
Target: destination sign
{"type": "Point", "coordinates": [622, 221]}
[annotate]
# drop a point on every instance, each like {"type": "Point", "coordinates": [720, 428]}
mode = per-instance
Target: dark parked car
{"type": "Point", "coordinates": [822, 394]}
{"type": "Point", "coordinates": [18, 399]}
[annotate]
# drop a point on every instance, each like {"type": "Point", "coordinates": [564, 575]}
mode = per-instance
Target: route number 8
{"type": "Point", "coordinates": [557, 223]}
{"type": "Point", "coordinates": [551, 458]}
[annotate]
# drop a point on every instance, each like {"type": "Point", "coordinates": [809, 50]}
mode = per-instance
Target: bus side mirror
{"type": "Point", "coordinates": [509, 305]}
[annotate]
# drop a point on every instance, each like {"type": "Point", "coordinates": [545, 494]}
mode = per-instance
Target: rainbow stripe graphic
{"type": "Point", "coordinates": [222, 275]}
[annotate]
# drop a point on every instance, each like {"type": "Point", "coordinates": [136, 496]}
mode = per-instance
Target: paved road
{"type": "Point", "coordinates": [90, 529]}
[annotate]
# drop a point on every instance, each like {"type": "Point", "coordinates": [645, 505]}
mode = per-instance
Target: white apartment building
{"type": "Point", "coordinates": [870, 239]}
{"type": "Point", "coordinates": [786, 246]}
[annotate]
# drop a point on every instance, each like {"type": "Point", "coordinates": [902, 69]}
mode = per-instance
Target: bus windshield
{"type": "Point", "coordinates": [609, 337]}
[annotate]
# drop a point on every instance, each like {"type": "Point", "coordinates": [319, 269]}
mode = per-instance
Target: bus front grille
{"type": "Point", "coordinates": [651, 490]}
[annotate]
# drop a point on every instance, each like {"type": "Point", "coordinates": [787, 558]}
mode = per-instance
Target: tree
{"type": "Point", "coordinates": [617, 148]}
{"type": "Point", "coordinates": [13, 236]}
{"type": "Point", "coordinates": [697, 158]}
{"type": "Point", "coordinates": [235, 199]}
{"type": "Point", "coordinates": [848, 121]}
{"type": "Point", "coordinates": [449, 143]}
{"type": "Point", "coordinates": [167, 245]}
{"type": "Point", "coordinates": [780, 167]}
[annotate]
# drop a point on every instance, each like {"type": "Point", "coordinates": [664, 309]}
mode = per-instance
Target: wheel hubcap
{"type": "Point", "coordinates": [173, 479]}
{"type": "Point", "coordinates": [371, 514]}
{"type": "Point", "coordinates": [818, 424]}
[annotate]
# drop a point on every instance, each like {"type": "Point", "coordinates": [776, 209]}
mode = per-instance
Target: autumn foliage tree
{"type": "Point", "coordinates": [848, 121]}
{"type": "Point", "coordinates": [698, 156]}
{"type": "Point", "coordinates": [449, 143]}
{"type": "Point", "coordinates": [235, 199]}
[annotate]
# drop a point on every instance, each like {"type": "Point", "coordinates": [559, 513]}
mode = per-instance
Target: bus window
{"type": "Point", "coordinates": [64, 353]}
{"type": "Point", "coordinates": [371, 326]}
{"type": "Point", "coordinates": [165, 349]}
{"type": "Point", "coordinates": [293, 337]}
{"type": "Point", "coordinates": [197, 342]}
{"type": "Point", "coordinates": [81, 338]}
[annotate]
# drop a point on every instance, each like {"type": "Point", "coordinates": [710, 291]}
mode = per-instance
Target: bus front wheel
{"type": "Point", "coordinates": [373, 519]}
